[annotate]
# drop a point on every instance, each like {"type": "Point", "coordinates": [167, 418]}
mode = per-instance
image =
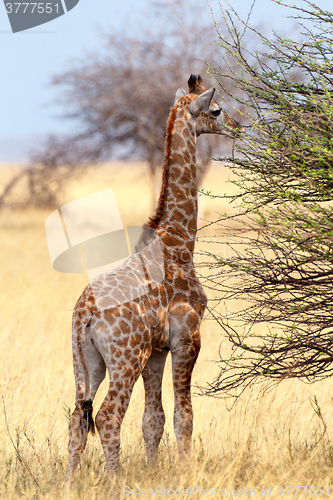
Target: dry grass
{"type": "Point", "coordinates": [270, 439]}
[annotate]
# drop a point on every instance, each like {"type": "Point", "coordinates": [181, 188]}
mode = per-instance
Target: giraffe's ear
{"type": "Point", "coordinates": [180, 93]}
{"type": "Point", "coordinates": [201, 103]}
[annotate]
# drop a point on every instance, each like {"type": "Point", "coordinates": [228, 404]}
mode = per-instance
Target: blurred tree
{"type": "Point", "coordinates": [281, 259]}
{"type": "Point", "coordinates": [121, 98]}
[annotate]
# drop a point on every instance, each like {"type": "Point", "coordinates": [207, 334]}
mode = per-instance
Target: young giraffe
{"type": "Point", "coordinates": [127, 320]}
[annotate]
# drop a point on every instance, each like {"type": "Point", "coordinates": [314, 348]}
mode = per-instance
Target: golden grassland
{"type": "Point", "coordinates": [266, 439]}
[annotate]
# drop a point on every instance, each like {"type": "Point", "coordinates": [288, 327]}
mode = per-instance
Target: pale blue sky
{"type": "Point", "coordinates": [29, 59]}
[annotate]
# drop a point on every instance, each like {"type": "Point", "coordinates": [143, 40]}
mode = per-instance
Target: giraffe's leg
{"type": "Point", "coordinates": [183, 361]}
{"type": "Point", "coordinates": [153, 418]}
{"type": "Point", "coordinates": [81, 419]}
{"type": "Point", "coordinates": [123, 376]}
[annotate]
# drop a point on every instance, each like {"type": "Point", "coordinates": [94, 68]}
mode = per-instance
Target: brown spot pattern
{"type": "Point", "coordinates": [135, 337]}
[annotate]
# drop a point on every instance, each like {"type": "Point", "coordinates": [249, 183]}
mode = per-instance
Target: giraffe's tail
{"type": "Point", "coordinates": [86, 404]}
{"type": "Point", "coordinates": [87, 410]}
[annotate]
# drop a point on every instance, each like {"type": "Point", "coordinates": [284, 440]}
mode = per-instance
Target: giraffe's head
{"type": "Point", "coordinates": [208, 116]}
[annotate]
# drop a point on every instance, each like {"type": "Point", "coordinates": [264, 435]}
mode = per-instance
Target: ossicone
{"type": "Point", "coordinates": [195, 85]}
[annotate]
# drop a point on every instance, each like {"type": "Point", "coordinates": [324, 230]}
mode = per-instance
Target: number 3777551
{"type": "Point", "coordinates": [31, 7]}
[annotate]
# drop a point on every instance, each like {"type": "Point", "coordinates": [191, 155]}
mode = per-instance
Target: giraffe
{"type": "Point", "coordinates": [129, 319]}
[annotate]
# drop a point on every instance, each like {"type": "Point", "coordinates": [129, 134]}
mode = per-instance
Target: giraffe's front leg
{"type": "Point", "coordinates": [184, 357]}
{"type": "Point", "coordinates": [153, 418]}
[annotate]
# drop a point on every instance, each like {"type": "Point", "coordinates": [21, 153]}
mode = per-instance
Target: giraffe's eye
{"type": "Point", "coordinates": [216, 113]}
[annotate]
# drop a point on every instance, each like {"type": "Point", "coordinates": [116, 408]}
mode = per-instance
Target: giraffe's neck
{"type": "Point", "coordinates": [176, 217]}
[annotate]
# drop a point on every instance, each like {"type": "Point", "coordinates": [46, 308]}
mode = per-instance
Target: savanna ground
{"type": "Point", "coordinates": [277, 438]}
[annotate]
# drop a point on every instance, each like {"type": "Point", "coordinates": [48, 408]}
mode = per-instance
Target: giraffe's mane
{"type": "Point", "coordinates": [195, 88]}
{"type": "Point", "coordinates": [155, 219]}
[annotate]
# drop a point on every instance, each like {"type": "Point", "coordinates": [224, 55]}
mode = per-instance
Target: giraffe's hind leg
{"type": "Point", "coordinates": [81, 421]}
{"type": "Point", "coordinates": [124, 372]}
{"type": "Point", "coordinates": [153, 418]}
